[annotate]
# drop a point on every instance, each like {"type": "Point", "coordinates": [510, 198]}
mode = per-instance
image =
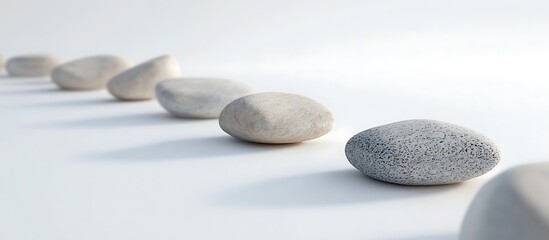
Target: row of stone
{"type": "Point", "coordinates": [412, 152]}
{"type": "Point", "coordinates": [258, 117]}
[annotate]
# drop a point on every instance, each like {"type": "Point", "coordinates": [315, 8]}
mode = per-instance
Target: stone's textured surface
{"type": "Point", "coordinates": [138, 83]}
{"type": "Point", "coordinates": [422, 152]}
{"type": "Point", "coordinates": [275, 118]}
{"type": "Point", "coordinates": [513, 205]}
{"type": "Point", "coordinates": [88, 73]}
{"type": "Point", "coordinates": [199, 97]}
{"type": "Point", "coordinates": [31, 65]}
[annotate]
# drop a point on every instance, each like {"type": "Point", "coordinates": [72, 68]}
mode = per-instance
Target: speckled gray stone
{"type": "Point", "coordinates": [422, 152]}
{"type": "Point", "coordinates": [138, 83]}
{"type": "Point", "coordinates": [513, 205]}
{"type": "Point", "coordinates": [199, 97]}
{"type": "Point", "coordinates": [31, 65]}
{"type": "Point", "coordinates": [275, 118]}
{"type": "Point", "coordinates": [88, 73]}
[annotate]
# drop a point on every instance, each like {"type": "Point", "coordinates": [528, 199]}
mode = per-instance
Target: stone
{"type": "Point", "coordinates": [422, 152]}
{"type": "Point", "coordinates": [199, 97]}
{"type": "Point", "coordinates": [138, 83]}
{"type": "Point", "coordinates": [275, 118]}
{"type": "Point", "coordinates": [513, 205]}
{"type": "Point", "coordinates": [88, 73]}
{"type": "Point", "coordinates": [31, 65]}
{"type": "Point", "coordinates": [1, 63]}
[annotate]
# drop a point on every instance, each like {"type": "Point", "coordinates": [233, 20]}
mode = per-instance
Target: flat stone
{"type": "Point", "coordinates": [422, 152]}
{"type": "Point", "coordinates": [31, 65]}
{"type": "Point", "coordinates": [138, 83]}
{"type": "Point", "coordinates": [88, 73]}
{"type": "Point", "coordinates": [275, 118]}
{"type": "Point", "coordinates": [199, 97]}
{"type": "Point", "coordinates": [513, 205]}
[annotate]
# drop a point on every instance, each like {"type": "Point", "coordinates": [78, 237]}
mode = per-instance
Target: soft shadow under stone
{"type": "Point", "coordinates": [323, 188]}
{"type": "Point", "coordinates": [429, 237]}
{"type": "Point", "coordinates": [184, 149]}
{"type": "Point", "coordinates": [128, 120]}
{"type": "Point", "coordinates": [32, 91]}
{"type": "Point", "coordinates": [99, 102]}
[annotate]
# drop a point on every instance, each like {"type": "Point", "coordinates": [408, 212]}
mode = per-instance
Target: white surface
{"type": "Point", "coordinates": [78, 165]}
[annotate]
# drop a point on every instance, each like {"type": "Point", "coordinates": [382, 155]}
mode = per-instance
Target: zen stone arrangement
{"type": "Point", "coordinates": [512, 205]}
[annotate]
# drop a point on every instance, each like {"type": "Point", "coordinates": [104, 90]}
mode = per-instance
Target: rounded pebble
{"type": "Point", "coordinates": [513, 205]}
{"type": "Point", "coordinates": [138, 83]}
{"type": "Point", "coordinates": [199, 97]}
{"type": "Point", "coordinates": [422, 152]}
{"type": "Point", "coordinates": [88, 73]}
{"type": "Point", "coordinates": [275, 118]}
{"type": "Point", "coordinates": [31, 65]}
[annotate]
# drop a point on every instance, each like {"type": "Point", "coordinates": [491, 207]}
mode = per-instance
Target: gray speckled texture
{"type": "Point", "coordinates": [138, 83]}
{"type": "Point", "coordinates": [513, 205]}
{"type": "Point", "coordinates": [31, 65]}
{"type": "Point", "coordinates": [275, 118]}
{"type": "Point", "coordinates": [199, 97]}
{"type": "Point", "coordinates": [88, 73]}
{"type": "Point", "coordinates": [422, 152]}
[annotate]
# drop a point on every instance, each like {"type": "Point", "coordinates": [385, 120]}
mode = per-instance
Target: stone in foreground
{"type": "Point", "coordinates": [199, 97]}
{"type": "Point", "coordinates": [275, 118]}
{"type": "Point", "coordinates": [31, 65]}
{"type": "Point", "coordinates": [138, 83]}
{"type": "Point", "coordinates": [88, 73]}
{"type": "Point", "coordinates": [422, 152]}
{"type": "Point", "coordinates": [513, 205]}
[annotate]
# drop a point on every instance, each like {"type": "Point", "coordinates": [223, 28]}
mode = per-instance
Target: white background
{"type": "Point", "coordinates": [79, 165]}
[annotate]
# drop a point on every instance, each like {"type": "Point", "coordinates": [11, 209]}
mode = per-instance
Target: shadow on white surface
{"type": "Point", "coordinates": [324, 188]}
{"type": "Point", "coordinates": [99, 102]}
{"type": "Point", "coordinates": [6, 82]}
{"type": "Point", "coordinates": [429, 237]}
{"type": "Point", "coordinates": [187, 149]}
{"type": "Point", "coordinates": [32, 91]}
{"type": "Point", "coordinates": [128, 120]}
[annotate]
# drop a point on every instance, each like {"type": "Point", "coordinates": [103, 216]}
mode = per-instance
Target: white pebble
{"type": "Point", "coordinates": [138, 83]}
{"type": "Point", "coordinates": [88, 73]}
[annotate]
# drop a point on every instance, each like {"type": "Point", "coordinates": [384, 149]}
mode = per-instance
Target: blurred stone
{"type": "Point", "coordinates": [88, 73]}
{"type": "Point", "coordinates": [31, 65]}
{"type": "Point", "coordinates": [513, 205]}
{"type": "Point", "coordinates": [199, 97]}
{"type": "Point", "coordinates": [138, 83]}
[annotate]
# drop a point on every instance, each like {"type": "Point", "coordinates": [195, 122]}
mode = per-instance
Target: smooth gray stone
{"type": "Point", "coordinates": [138, 83]}
{"type": "Point", "coordinates": [31, 65]}
{"type": "Point", "coordinates": [199, 97]}
{"type": "Point", "coordinates": [513, 205]}
{"type": "Point", "coordinates": [275, 118]}
{"type": "Point", "coordinates": [88, 73]}
{"type": "Point", "coordinates": [422, 152]}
